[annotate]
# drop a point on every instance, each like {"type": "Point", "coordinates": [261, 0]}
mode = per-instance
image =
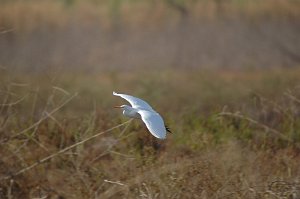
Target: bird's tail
{"type": "Point", "coordinates": [168, 129]}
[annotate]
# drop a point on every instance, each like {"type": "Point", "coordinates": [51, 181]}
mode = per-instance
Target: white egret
{"type": "Point", "coordinates": [142, 110]}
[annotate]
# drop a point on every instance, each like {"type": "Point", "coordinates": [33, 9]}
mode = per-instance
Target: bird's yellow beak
{"type": "Point", "coordinates": [117, 107]}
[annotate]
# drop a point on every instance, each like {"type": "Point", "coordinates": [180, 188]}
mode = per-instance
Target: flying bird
{"type": "Point", "coordinates": [142, 110]}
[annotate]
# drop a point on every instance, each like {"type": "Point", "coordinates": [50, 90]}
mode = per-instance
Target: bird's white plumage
{"type": "Point", "coordinates": [151, 118]}
{"type": "Point", "coordinates": [154, 123]}
{"type": "Point", "coordinates": [135, 102]}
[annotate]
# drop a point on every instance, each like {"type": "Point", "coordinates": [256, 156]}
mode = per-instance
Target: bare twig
{"type": "Point", "coordinates": [14, 103]}
{"type": "Point", "coordinates": [147, 175]}
{"type": "Point", "coordinates": [61, 90]}
{"type": "Point", "coordinates": [292, 97]}
{"type": "Point", "coordinates": [6, 31]}
{"type": "Point", "coordinates": [121, 154]}
{"type": "Point", "coordinates": [8, 93]}
{"type": "Point", "coordinates": [45, 117]}
{"type": "Point", "coordinates": [114, 182]}
{"type": "Point", "coordinates": [5, 100]}
{"type": "Point", "coordinates": [55, 120]}
{"type": "Point", "coordinates": [9, 195]}
{"type": "Point", "coordinates": [34, 102]}
{"type": "Point", "coordinates": [267, 128]}
{"type": "Point", "coordinates": [108, 150]}
{"type": "Point", "coordinates": [274, 104]}
{"type": "Point", "coordinates": [61, 152]}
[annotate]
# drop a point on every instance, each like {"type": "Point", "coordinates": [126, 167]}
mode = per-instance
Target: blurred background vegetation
{"type": "Point", "coordinates": [224, 74]}
{"type": "Point", "coordinates": [114, 34]}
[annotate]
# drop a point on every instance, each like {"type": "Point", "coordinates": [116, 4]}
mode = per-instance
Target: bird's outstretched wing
{"type": "Point", "coordinates": [135, 102]}
{"type": "Point", "coordinates": [154, 123]}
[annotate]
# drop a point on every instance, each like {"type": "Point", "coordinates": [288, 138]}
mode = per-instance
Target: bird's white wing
{"type": "Point", "coordinates": [135, 102]}
{"type": "Point", "coordinates": [154, 123]}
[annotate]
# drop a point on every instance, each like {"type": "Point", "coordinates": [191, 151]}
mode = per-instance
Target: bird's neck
{"type": "Point", "coordinates": [128, 108]}
{"type": "Point", "coordinates": [131, 112]}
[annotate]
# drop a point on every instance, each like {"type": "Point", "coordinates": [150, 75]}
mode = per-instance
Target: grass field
{"type": "Point", "coordinates": [235, 135]}
{"type": "Point", "coordinates": [224, 75]}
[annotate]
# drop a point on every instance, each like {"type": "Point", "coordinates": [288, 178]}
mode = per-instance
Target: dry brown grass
{"type": "Point", "coordinates": [236, 133]}
{"type": "Point", "coordinates": [50, 147]}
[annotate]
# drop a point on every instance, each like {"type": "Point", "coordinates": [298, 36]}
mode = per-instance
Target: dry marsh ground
{"type": "Point", "coordinates": [235, 135]}
{"type": "Point", "coordinates": [223, 74]}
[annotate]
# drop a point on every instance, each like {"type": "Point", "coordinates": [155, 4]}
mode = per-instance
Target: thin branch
{"type": "Point", "coordinates": [34, 102]}
{"type": "Point", "coordinates": [6, 31]}
{"type": "Point", "coordinates": [267, 128]}
{"type": "Point", "coordinates": [45, 117]}
{"type": "Point", "coordinates": [61, 152]}
{"type": "Point", "coordinates": [147, 175]}
{"type": "Point", "coordinates": [55, 120]}
{"type": "Point", "coordinates": [8, 93]}
{"type": "Point", "coordinates": [61, 90]}
{"type": "Point", "coordinates": [108, 150]}
{"type": "Point", "coordinates": [121, 154]}
{"type": "Point", "coordinates": [292, 97]}
{"type": "Point", "coordinates": [114, 182]}
{"type": "Point", "coordinates": [15, 103]}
